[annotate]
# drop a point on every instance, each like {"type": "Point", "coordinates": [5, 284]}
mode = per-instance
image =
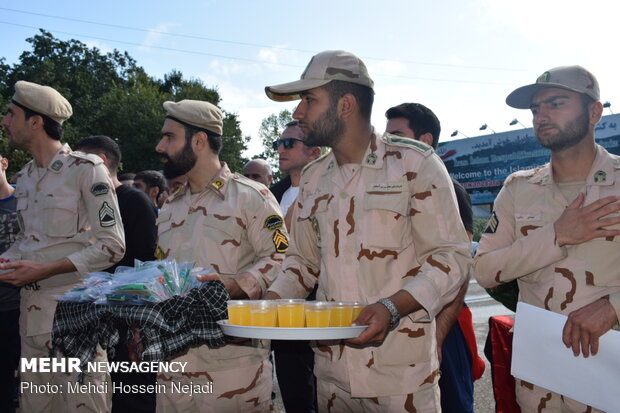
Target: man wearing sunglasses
{"type": "Point", "coordinates": [293, 155]}
{"type": "Point", "coordinates": [294, 358]}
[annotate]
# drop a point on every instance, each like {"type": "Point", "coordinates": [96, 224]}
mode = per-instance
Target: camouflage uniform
{"type": "Point", "coordinates": [558, 279]}
{"type": "Point", "coordinates": [233, 226]}
{"type": "Point", "coordinates": [369, 236]}
{"type": "Point", "coordinates": [68, 209]}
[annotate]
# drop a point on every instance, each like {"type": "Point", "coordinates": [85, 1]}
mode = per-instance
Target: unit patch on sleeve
{"type": "Point", "coordinates": [280, 241]}
{"type": "Point", "coordinates": [492, 224]}
{"type": "Point", "coordinates": [100, 188]}
{"type": "Point", "coordinates": [273, 222]}
{"type": "Point", "coordinates": [106, 216]}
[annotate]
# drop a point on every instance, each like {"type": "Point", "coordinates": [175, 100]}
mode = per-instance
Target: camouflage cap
{"type": "Point", "coordinates": [196, 113]}
{"type": "Point", "coordinates": [322, 69]}
{"type": "Point", "coordinates": [573, 78]}
{"type": "Point", "coordinates": [43, 100]}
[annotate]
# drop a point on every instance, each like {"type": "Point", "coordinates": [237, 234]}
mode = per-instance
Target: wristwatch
{"type": "Point", "coordinates": [393, 312]}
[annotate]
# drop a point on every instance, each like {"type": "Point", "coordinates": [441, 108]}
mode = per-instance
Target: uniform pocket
{"type": "Point", "coordinates": [224, 239]}
{"type": "Point", "coordinates": [61, 216]}
{"type": "Point", "coordinates": [386, 223]}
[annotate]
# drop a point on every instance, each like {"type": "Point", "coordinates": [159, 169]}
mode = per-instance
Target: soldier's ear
{"type": "Point", "coordinates": [200, 140]}
{"type": "Point", "coordinates": [427, 138]}
{"type": "Point", "coordinates": [596, 112]}
{"type": "Point", "coordinates": [347, 105]}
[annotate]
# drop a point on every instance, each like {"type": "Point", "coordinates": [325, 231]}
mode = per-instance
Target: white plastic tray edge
{"type": "Point", "coordinates": [282, 333]}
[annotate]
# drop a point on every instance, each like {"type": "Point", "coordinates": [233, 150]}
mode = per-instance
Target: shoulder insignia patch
{"type": "Point", "coordinates": [371, 159]}
{"type": "Point", "coordinates": [99, 188]}
{"type": "Point", "coordinates": [217, 184]}
{"type": "Point", "coordinates": [600, 176]}
{"type": "Point", "coordinates": [406, 142]}
{"type": "Point", "coordinates": [280, 241]}
{"type": "Point", "coordinates": [106, 216]}
{"type": "Point", "coordinates": [492, 224]}
{"type": "Point", "coordinates": [56, 165]}
{"type": "Point", "coordinates": [273, 222]}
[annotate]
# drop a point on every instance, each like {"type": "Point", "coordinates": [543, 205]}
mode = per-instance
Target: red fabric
{"type": "Point", "coordinates": [467, 327]}
{"type": "Point", "coordinates": [503, 381]}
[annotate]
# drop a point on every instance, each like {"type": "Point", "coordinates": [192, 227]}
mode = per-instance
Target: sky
{"type": "Point", "coordinates": [461, 58]}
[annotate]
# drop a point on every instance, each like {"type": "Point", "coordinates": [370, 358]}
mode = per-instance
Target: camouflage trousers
{"type": "Point", "coordinates": [532, 398]}
{"type": "Point", "coordinates": [51, 392]}
{"type": "Point", "coordinates": [332, 399]}
{"type": "Point", "coordinates": [243, 389]}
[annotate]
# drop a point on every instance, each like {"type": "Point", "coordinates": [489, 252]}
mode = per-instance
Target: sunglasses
{"type": "Point", "coordinates": [287, 142]}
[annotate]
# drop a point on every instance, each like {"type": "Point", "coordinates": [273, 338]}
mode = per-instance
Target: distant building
{"type": "Point", "coordinates": [482, 163]}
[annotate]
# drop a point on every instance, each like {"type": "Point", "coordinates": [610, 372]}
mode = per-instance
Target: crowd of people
{"type": "Point", "coordinates": [375, 219]}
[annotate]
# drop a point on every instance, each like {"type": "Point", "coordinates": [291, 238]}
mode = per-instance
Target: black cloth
{"type": "Point", "coordinates": [167, 329]}
{"type": "Point", "coordinates": [294, 358]}
{"type": "Point", "coordinates": [138, 214]}
{"type": "Point", "coordinates": [9, 311]}
{"type": "Point", "coordinates": [9, 228]}
{"type": "Point", "coordinates": [9, 358]}
{"type": "Point", "coordinates": [464, 201]}
{"type": "Point", "coordinates": [279, 188]}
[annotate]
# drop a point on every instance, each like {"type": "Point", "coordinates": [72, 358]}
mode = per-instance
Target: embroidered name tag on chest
{"type": "Point", "coordinates": [385, 188]}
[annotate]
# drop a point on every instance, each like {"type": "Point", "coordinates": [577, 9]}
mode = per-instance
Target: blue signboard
{"type": "Point", "coordinates": [481, 164]}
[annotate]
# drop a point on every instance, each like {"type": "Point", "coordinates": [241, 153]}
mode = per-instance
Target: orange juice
{"type": "Point", "coordinates": [291, 313]}
{"type": "Point", "coordinates": [239, 312]}
{"type": "Point", "coordinates": [357, 309]}
{"type": "Point", "coordinates": [263, 314]}
{"type": "Point", "coordinates": [317, 314]}
{"type": "Point", "coordinates": [341, 315]}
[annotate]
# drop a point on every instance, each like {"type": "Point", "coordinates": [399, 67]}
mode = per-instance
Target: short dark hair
{"type": "Point", "coordinates": [364, 95]}
{"type": "Point", "coordinates": [152, 179]}
{"type": "Point", "coordinates": [53, 129]}
{"type": "Point", "coordinates": [215, 140]}
{"type": "Point", "coordinates": [421, 119]}
{"type": "Point", "coordinates": [126, 176]}
{"type": "Point", "coordinates": [292, 123]}
{"type": "Point", "coordinates": [104, 144]}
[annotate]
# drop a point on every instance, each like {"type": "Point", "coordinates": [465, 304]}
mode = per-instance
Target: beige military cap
{"type": "Point", "coordinates": [573, 78]}
{"type": "Point", "coordinates": [196, 113]}
{"type": "Point", "coordinates": [42, 99]}
{"type": "Point", "coordinates": [322, 69]}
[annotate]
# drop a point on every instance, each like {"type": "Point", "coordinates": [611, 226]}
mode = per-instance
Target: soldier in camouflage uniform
{"type": "Point", "coordinates": [233, 225]}
{"type": "Point", "coordinates": [556, 228]}
{"type": "Point", "coordinates": [377, 219]}
{"type": "Point", "coordinates": [70, 225]}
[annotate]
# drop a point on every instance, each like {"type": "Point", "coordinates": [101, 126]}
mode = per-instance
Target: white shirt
{"type": "Point", "coordinates": [289, 196]}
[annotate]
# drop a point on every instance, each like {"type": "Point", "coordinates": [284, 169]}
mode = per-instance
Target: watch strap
{"type": "Point", "coordinates": [395, 315]}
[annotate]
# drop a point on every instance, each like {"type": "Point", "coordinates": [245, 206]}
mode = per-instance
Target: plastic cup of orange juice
{"type": "Point", "coordinates": [239, 312]}
{"type": "Point", "coordinates": [263, 313]}
{"type": "Point", "coordinates": [357, 309]}
{"type": "Point", "coordinates": [318, 313]}
{"type": "Point", "coordinates": [341, 314]}
{"type": "Point", "coordinates": [291, 312]}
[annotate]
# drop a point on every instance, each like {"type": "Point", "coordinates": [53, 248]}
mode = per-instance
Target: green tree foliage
{"type": "Point", "coordinates": [110, 95]}
{"type": "Point", "coordinates": [271, 129]}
